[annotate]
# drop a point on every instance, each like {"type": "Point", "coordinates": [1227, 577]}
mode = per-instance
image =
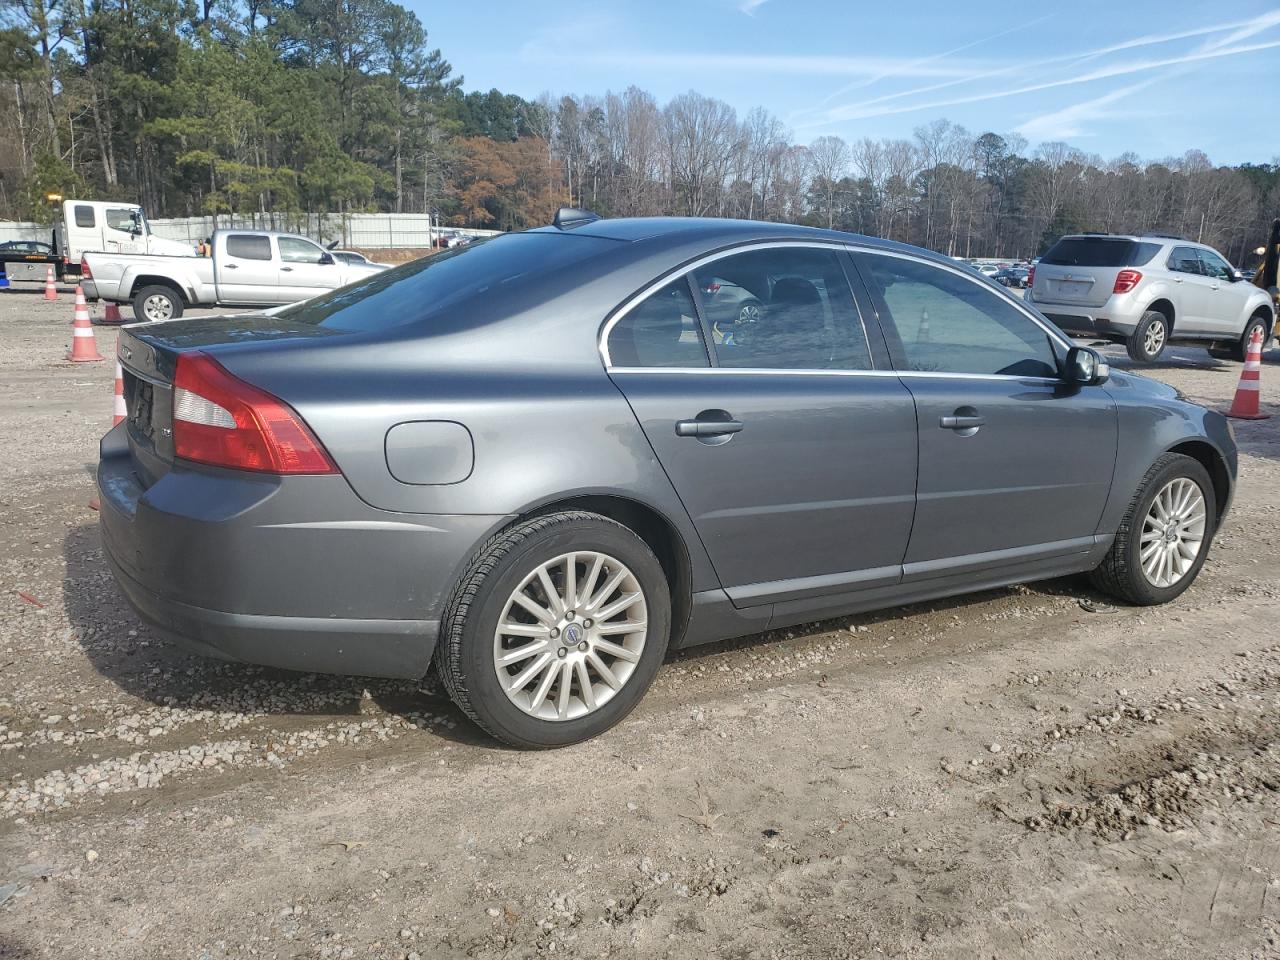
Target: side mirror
{"type": "Point", "coordinates": [1085, 367]}
{"type": "Point", "coordinates": [326, 258]}
{"type": "Point", "coordinates": [1235, 276]}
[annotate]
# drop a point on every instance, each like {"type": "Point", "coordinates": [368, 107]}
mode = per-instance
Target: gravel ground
{"type": "Point", "coordinates": [1030, 772]}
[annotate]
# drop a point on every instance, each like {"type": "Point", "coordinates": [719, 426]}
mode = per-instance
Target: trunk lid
{"type": "Point", "coordinates": [148, 355]}
{"type": "Point", "coordinates": [1082, 270]}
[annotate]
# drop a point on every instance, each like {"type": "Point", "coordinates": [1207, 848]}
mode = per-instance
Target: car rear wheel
{"type": "Point", "coordinates": [1150, 338]}
{"type": "Point", "coordinates": [556, 630]}
{"type": "Point", "coordinates": [157, 303]}
{"type": "Point", "coordinates": [1165, 535]}
{"type": "Point", "coordinates": [1240, 349]}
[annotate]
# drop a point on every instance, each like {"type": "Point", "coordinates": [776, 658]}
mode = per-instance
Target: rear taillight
{"type": "Point", "coordinates": [221, 420]}
{"type": "Point", "coordinates": [1126, 280]}
{"type": "Point", "coordinates": [84, 269]}
{"type": "Point", "coordinates": [1031, 275]}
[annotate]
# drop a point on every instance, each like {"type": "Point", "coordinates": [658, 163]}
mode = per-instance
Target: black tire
{"type": "Point", "coordinates": [157, 290]}
{"type": "Point", "coordinates": [464, 653]}
{"type": "Point", "coordinates": [1137, 344]}
{"type": "Point", "coordinates": [1120, 573]}
{"type": "Point", "coordinates": [1240, 349]}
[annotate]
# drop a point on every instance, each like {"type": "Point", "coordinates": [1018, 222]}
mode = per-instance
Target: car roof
{"type": "Point", "coordinates": [1138, 238]}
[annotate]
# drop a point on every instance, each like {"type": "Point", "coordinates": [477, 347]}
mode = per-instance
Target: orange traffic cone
{"type": "Point", "coordinates": [112, 314]}
{"type": "Point", "coordinates": [118, 412]}
{"type": "Point", "coordinates": [1245, 404]}
{"type": "Point", "coordinates": [50, 291]}
{"type": "Point", "coordinates": [83, 346]}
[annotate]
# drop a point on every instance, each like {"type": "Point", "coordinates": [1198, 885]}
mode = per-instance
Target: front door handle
{"type": "Point", "coordinates": [707, 428]}
{"type": "Point", "coordinates": [286, 269]}
{"type": "Point", "coordinates": [965, 422]}
{"type": "Point", "coordinates": [229, 266]}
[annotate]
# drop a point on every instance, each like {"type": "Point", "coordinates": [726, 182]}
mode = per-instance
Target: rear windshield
{"type": "Point", "coordinates": [410, 292]}
{"type": "Point", "coordinates": [1099, 252]}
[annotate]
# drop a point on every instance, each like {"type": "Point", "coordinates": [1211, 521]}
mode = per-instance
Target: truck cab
{"type": "Point", "coordinates": [110, 227]}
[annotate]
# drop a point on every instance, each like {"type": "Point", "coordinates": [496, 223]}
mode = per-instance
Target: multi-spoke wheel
{"type": "Point", "coordinates": [556, 629]}
{"type": "Point", "coordinates": [570, 636]}
{"type": "Point", "coordinates": [156, 303]}
{"type": "Point", "coordinates": [1172, 532]}
{"type": "Point", "coordinates": [1149, 339]}
{"type": "Point", "coordinates": [1164, 536]}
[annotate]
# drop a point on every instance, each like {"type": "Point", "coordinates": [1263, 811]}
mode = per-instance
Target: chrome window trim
{"type": "Point", "coordinates": [602, 345]}
{"type": "Point", "coordinates": [980, 282]}
{"type": "Point", "coordinates": [771, 372]}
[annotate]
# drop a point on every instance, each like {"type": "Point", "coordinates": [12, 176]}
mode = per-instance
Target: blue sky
{"type": "Point", "coordinates": [1156, 78]}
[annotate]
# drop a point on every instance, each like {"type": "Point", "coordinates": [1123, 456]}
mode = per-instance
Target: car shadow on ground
{"type": "Point", "coordinates": [144, 663]}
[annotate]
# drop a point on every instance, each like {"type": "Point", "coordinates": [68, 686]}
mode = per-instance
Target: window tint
{"type": "Point", "coordinates": [1214, 265]}
{"type": "Point", "coordinates": [787, 308]}
{"type": "Point", "coordinates": [84, 216]}
{"type": "Point", "coordinates": [1185, 260]}
{"type": "Point", "coordinates": [1091, 252]}
{"type": "Point", "coordinates": [660, 331]}
{"type": "Point", "coordinates": [244, 246]}
{"type": "Point", "coordinates": [293, 250]}
{"type": "Point", "coordinates": [948, 323]}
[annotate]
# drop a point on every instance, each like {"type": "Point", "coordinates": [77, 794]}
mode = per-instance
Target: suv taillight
{"type": "Point", "coordinates": [221, 420]}
{"type": "Point", "coordinates": [84, 269]}
{"type": "Point", "coordinates": [1031, 275]}
{"type": "Point", "coordinates": [1126, 280]}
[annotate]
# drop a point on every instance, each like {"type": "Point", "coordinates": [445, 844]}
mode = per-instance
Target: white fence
{"type": "Point", "coordinates": [376, 230]}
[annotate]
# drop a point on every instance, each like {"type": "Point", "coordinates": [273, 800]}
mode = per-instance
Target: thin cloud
{"type": "Point", "coordinates": [749, 7]}
{"type": "Point", "coordinates": [756, 63]}
{"type": "Point", "coordinates": [1071, 122]}
{"type": "Point", "coordinates": [866, 110]}
{"type": "Point", "coordinates": [1248, 27]}
{"type": "Point", "coordinates": [932, 59]}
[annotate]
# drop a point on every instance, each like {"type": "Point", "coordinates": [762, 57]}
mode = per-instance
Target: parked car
{"type": "Point", "coordinates": [1011, 276]}
{"type": "Point", "coordinates": [248, 268]}
{"type": "Point", "coordinates": [1149, 291]}
{"type": "Point", "coordinates": [531, 463]}
{"type": "Point", "coordinates": [358, 259]}
{"type": "Point", "coordinates": [26, 247]}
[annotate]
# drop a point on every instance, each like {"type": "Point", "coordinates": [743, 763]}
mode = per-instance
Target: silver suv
{"type": "Point", "coordinates": [1146, 291]}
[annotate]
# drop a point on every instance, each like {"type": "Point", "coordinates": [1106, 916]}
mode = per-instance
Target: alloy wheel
{"type": "Point", "coordinates": [157, 307]}
{"type": "Point", "coordinates": [1173, 532]}
{"type": "Point", "coordinates": [570, 636]}
{"type": "Point", "coordinates": [1154, 338]}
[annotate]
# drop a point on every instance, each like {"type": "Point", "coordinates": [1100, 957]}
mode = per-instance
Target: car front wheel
{"type": "Point", "coordinates": [556, 630]}
{"type": "Point", "coordinates": [1165, 535]}
{"type": "Point", "coordinates": [1150, 338]}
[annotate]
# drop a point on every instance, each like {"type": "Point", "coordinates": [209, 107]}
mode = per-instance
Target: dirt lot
{"type": "Point", "coordinates": [1025, 773]}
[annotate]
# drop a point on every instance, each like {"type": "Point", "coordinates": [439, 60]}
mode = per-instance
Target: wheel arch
{"type": "Point", "coordinates": [651, 526]}
{"type": "Point", "coordinates": [144, 280]}
{"type": "Point", "coordinates": [1207, 455]}
{"type": "Point", "coordinates": [1165, 306]}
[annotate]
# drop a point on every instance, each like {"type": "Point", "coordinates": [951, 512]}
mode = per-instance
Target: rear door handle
{"type": "Point", "coordinates": [961, 423]}
{"type": "Point", "coordinates": [707, 428]}
{"type": "Point", "coordinates": [286, 269]}
{"type": "Point", "coordinates": [229, 266]}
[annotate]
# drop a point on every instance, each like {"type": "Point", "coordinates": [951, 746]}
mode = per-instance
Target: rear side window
{"type": "Point", "coordinates": [245, 246]}
{"type": "Point", "coordinates": [1185, 260]}
{"type": "Point", "coordinates": [783, 308]}
{"type": "Point", "coordinates": [660, 331]}
{"type": "Point", "coordinates": [947, 323]}
{"type": "Point", "coordinates": [84, 216]}
{"type": "Point", "coordinates": [1142, 254]}
{"type": "Point", "coordinates": [1092, 252]}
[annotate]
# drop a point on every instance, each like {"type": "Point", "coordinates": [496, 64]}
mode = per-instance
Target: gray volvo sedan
{"type": "Point", "coordinates": [536, 463]}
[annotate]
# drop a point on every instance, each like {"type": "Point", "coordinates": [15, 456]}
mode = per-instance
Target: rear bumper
{"type": "Point", "coordinates": [292, 572]}
{"type": "Point", "coordinates": [1118, 317]}
{"type": "Point", "coordinates": [90, 289]}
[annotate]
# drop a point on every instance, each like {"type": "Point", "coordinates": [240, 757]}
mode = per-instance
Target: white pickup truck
{"type": "Point", "coordinates": [249, 268]}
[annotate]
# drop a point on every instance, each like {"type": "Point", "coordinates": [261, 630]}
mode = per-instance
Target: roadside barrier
{"type": "Point", "coordinates": [84, 347]}
{"type": "Point", "coordinates": [1245, 405]}
{"type": "Point", "coordinates": [50, 290]}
